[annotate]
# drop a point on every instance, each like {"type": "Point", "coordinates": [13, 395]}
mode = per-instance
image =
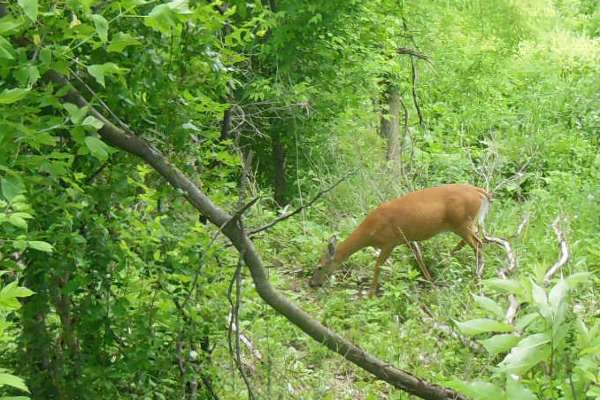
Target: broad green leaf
{"type": "Point", "coordinates": [15, 398]}
{"type": "Point", "coordinates": [524, 321]}
{"type": "Point", "coordinates": [490, 305]}
{"type": "Point", "coordinates": [40, 245]}
{"type": "Point", "coordinates": [93, 122]}
{"type": "Point", "coordinates": [99, 71]}
{"type": "Point", "coordinates": [6, 49]}
{"type": "Point", "coordinates": [13, 381]}
{"type": "Point", "coordinates": [484, 325]}
{"type": "Point", "coordinates": [161, 18]}
{"type": "Point", "coordinates": [558, 294]}
{"type": "Point", "coordinates": [516, 391]}
{"type": "Point", "coordinates": [478, 390]}
{"type": "Point", "coordinates": [529, 352]}
{"type": "Point", "coordinates": [9, 96]}
{"type": "Point", "coordinates": [97, 147]}
{"type": "Point", "coordinates": [76, 114]}
{"type": "Point", "coordinates": [12, 290]}
{"type": "Point", "coordinates": [540, 299]}
{"type": "Point", "coordinates": [101, 25]}
{"type": "Point", "coordinates": [17, 221]}
{"type": "Point", "coordinates": [120, 41]}
{"type": "Point", "coordinates": [30, 7]}
{"type": "Point", "coordinates": [578, 278]}
{"type": "Point", "coordinates": [9, 23]}
{"type": "Point", "coordinates": [12, 186]}
{"type": "Point", "coordinates": [28, 75]}
{"type": "Point", "coordinates": [500, 343]}
{"type": "Point", "coordinates": [505, 285]}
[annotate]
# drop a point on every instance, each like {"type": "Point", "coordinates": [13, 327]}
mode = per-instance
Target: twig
{"type": "Point", "coordinates": [513, 303]}
{"type": "Point", "coordinates": [450, 331]}
{"type": "Point", "coordinates": [283, 217]}
{"type": "Point", "coordinates": [565, 254]}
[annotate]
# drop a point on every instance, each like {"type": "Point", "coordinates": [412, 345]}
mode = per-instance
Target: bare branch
{"type": "Point", "coordinates": [565, 254]}
{"type": "Point", "coordinates": [450, 331]}
{"type": "Point", "coordinates": [137, 146]}
{"type": "Point", "coordinates": [285, 216]}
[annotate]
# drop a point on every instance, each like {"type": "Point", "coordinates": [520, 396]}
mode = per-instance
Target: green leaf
{"type": "Point", "coordinates": [98, 71]}
{"type": "Point", "coordinates": [484, 325]}
{"type": "Point", "coordinates": [6, 49]}
{"type": "Point", "coordinates": [505, 285]}
{"type": "Point", "coordinates": [76, 114]}
{"type": "Point", "coordinates": [164, 17]}
{"type": "Point", "coordinates": [40, 245]}
{"type": "Point", "coordinates": [9, 24]}
{"type": "Point", "coordinates": [516, 391]}
{"type": "Point", "coordinates": [523, 322]}
{"type": "Point", "coordinates": [93, 122]}
{"type": "Point", "coordinates": [17, 221]}
{"type": "Point", "coordinates": [12, 380]}
{"type": "Point", "coordinates": [120, 41]}
{"type": "Point", "coordinates": [14, 291]}
{"type": "Point", "coordinates": [9, 96]}
{"type": "Point", "coordinates": [12, 186]}
{"type": "Point", "coordinates": [161, 18]}
{"type": "Point", "coordinates": [101, 25]}
{"type": "Point", "coordinates": [529, 352]}
{"type": "Point", "coordinates": [97, 147]}
{"type": "Point", "coordinates": [500, 343]}
{"type": "Point", "coordinates": [30, 7]}
{"type": "Point", "coordinates": [478, 390]}
{"type": "Point", "coordinates": [28, 75]}
{"type": "Point", "coordinates": [578, 278]}
{"type": "Point", "coordinates": [490, 305]}
{"type": "Point", "coordinates": [558, 294]}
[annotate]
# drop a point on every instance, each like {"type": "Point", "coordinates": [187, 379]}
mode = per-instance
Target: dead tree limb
{"type": "Point", "coordinates": [285, 216]}
{"type": "Point", "coordinates": [565, 253]}
{"type": "Point", "coordinates": [137, 146]}
{"type": "Point", "coordinates": [505, 273]}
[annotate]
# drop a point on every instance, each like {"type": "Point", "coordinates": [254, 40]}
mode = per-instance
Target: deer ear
{"type": "Point", "coordinates": [331, 247]}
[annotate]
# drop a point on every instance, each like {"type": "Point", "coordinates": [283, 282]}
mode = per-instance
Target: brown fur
{"type": "Point", "coordinates": [414, 217]}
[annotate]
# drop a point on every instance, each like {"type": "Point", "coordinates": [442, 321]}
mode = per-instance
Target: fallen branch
{"type": "Point", "coordinates": [450, 331]}
{"type": "Point", "coordinates": [285, 216]}
{"type": "Point", "coordinates": [565, 254]}
{"type": "Point", "coordinates": [135, 145]}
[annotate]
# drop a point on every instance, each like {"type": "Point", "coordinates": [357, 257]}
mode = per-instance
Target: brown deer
{"type": "Point", "coordinates": [417, 216]}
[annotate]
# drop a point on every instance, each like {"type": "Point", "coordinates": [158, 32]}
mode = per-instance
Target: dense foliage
{"type": "Point", "coordinates": [112, 286]}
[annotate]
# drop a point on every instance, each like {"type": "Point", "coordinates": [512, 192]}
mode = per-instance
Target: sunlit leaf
{"type": "Point", "coordinates": [489, 305]}
{"type": "Point", "coordinates": [101, 25]}
{"type": "Point", "coordinates": [500, 343]}
{"type": "Point", "coordinates": [13, 381]}
{"type": "Point", "coordinates": [9, 96]}
{"type": "Point", "coordinates": [478, 390]}
{"type": "Point", "coordinates": [484, 325]}
{"type": "Point", "coordinates": [529, 352]}
{"type": "Point", "coordinates": [30, 7]}
{"type": "Point", "coordinates": [516, 391]}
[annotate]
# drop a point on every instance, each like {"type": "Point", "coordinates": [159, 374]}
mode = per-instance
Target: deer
{"type": "Point", "coordinates": [414, 217]}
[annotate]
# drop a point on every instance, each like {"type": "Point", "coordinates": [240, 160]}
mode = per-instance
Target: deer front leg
{"type": "Point", "coordinates": [383, 256]}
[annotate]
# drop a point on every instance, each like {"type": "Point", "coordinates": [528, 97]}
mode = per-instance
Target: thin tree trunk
{"type": "Point", "coordinates": [279, 165]}
{"type": "Point", "coordinates": [390, 123]}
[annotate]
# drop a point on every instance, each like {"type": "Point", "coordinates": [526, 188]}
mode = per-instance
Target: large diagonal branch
{"type": "Point", "coordinates": [133, 144]}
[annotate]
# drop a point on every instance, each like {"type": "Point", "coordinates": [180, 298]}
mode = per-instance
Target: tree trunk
{"type": "Point", "coordinates": [390, 123]}
{"type": "Point", "coordinates": [279, 176]}
{"type": "Point", "coordinates": [36, 340]}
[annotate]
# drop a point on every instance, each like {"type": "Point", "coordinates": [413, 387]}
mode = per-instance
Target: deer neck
{"type": "Point", "coordinates": [351, 245]}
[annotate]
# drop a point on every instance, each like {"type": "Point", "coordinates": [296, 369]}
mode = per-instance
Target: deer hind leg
{"type": "Point", "coordinates": [469, 237]}
{"type": "Point", "coordinates": [384, 254]}
{"type": "Point", "coordinates": [416, 249]}
{"type": "Point", "coordinates": [459, 246]}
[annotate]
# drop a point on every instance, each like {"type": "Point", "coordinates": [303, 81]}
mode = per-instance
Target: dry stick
{"type": "Point", "coordinates": [285, 216]}
{"type": "Point", "coordinates": [505, 273]}
{"type": "Point", "coordinates": [135, 145]}
{"type": "Point", "coordinates": [234, 321]}
{"type": "Point", "coordinates": [448, 330]}
{"type": "Point", "coordinates": [565, 254]}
